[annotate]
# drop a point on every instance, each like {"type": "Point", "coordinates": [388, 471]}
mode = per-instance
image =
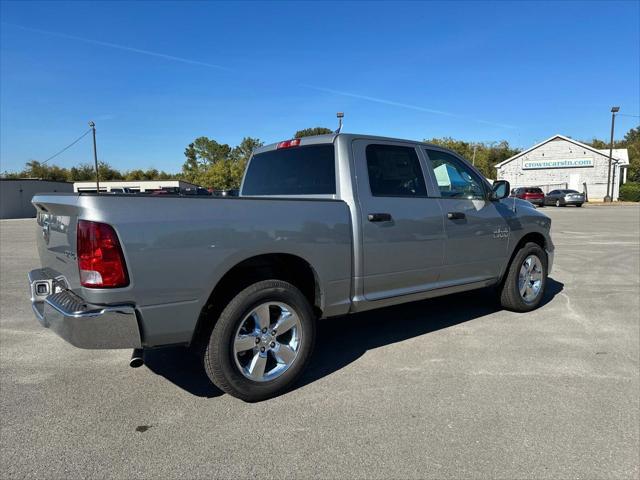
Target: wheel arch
{"type": "Point", "coordinates": [280, 266]}
{"type": "Point", "coordinates": [533, 237]}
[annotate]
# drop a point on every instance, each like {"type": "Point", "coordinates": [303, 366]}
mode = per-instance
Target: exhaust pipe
{"type": "Point", "coordinates": [137, 359]}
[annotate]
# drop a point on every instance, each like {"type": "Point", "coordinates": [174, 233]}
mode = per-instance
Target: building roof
{"type": "Point", "coordinates": [619, 154]}
{"type": "Point", "coordinates": [26, 179]}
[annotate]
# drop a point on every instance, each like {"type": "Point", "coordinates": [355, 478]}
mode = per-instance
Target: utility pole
{"type": "Point", "coordinates": [95, 156]}
{"type": "Point", "coordinates": [473, 161]}
{"type": "Point", "coordinates": [609, 198]}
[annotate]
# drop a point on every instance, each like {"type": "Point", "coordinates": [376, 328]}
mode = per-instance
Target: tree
{"type": "Point", "coordinates": [243, 151]}
{"type": "Point", "coordinates": [84, 172]}
{"type": "Point", "coordinates": [215, 165]}
{"type": "Point", "coordinates": [487, 154]}
{"type": "Point", "coordinates": [309, 132]}
{"type": "Point", "coordinates": [631, 142]}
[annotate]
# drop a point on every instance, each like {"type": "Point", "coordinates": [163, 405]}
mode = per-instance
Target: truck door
{"type": "Point", "coordinates": [402, 229]}
{"type": "Point", "coordinates": [477, 229]}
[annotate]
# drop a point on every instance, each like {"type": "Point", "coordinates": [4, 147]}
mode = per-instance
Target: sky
{"type": "Point", "coordinates": [156, 75]}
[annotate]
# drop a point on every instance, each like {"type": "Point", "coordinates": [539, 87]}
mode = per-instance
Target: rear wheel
{"type": "Point", "coordinates": [578, 204]}
{"type": "Point", "coordinates": [262, 341]}
{"type": "Point", "coordinates": [525, 282]}
{"type": "Point", "coordinates": [558, 204]}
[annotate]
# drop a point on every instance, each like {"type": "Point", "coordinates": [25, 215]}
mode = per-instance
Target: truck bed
{"type": "Point", "coordinates": [177, 248]}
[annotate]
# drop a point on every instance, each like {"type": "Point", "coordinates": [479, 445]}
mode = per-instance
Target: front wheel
{"type": "Point", "coordinates": [262, 341]}
{"type": "Point", "coordinates": [558, 204]}
{"type": "Point", "coordinates": [525, 282]}
{"type": "Point", "coordinates": [578, 204]}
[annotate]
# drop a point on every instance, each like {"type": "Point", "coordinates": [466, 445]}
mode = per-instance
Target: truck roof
{"type": "Point", "coordinates": [330, 138]}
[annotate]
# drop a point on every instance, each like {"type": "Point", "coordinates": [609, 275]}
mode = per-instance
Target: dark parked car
{"type": "Point", "coordinates": [534, 195]}
{"type": "Point", "coordinates": [562, 198]}
{"type": "Point", "coordinates": [195, 191]}
{"type": "Point", "coordinates": [226, 193]}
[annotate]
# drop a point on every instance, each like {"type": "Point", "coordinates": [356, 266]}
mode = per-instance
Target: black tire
{"type": "Point", "coordinates": [558, 204]}
{"type": "Point", "coordinates": [578, 205]}
{"type": "Point", "coordinates": [510, 297]}
{"type": "Point", "coordinates": [218, 355]}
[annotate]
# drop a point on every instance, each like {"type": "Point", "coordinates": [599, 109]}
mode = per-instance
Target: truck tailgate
{"type": "Point", "coordinates": [56, 221]}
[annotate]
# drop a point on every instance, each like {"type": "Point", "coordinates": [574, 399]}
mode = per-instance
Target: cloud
{"type": "Point", "coordinates": [406, 105]}
{"type": "Point", "coordinates": [223, 68]}
{"type": "Point", "coordinates": [121, 47]}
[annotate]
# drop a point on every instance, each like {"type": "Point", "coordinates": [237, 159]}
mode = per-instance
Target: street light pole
{"type": "Point", "coordinates": [608, 198]}
{"type": "Point", "coordinates": [95, 156]}
{"type": "Point", "coordinates": [613, 181]}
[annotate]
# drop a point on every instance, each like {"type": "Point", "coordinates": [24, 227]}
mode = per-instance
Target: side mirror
{"type": "Point", "coordinates": [500, 189]}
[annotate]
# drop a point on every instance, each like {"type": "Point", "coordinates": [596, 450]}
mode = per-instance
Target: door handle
{"type": "Point", "coordinates": [456, 216]}
{"type": "Point", "coordinates": [379, 217]}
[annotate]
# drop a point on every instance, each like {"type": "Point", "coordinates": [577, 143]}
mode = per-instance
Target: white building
{"type": "Point", "coordinates": [561, 162]}
{"type": "Point", "coordinates": [132, 186]}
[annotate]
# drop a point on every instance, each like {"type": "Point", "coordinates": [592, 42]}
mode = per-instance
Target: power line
{"type": "Point", "coordinates": [68, 146]}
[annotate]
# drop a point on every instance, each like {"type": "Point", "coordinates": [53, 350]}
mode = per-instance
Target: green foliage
{"type": "Point", "coordinates": [487, 154]}
{"type": "Point", "coordinates": [630, 192]}
{"type": "Point", "coordinates": [310, 132]}
{"type": "Point", "coordinates": [597, 144]}
{"type": "Point", "coordinates": [84, 172]}
{"type": "Point", "coordinates": [217, 165]}
{"type": "Point", "coordinates": [632, 143]}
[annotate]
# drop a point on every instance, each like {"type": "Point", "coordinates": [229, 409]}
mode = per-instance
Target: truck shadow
{"type": "Point", "coordinates": [182, 368]}
{"type": "Point", "coordinates": [342, 340]}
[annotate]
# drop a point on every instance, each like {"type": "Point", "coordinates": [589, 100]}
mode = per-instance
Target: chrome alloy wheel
{"type": "Point", "coordinates": [267, 341]}
{"type": "Point", "coordinates": [530, 278]}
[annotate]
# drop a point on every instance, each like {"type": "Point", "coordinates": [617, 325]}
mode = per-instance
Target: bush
{"type": "Point", "coordinates": [630, 192]}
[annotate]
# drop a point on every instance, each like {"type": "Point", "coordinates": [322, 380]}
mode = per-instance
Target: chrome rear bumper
{"type": "Point", "coordinates": [81, 324]}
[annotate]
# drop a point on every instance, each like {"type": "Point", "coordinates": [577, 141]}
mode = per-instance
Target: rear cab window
{"type": "Point", "coordinates": [304, 170]}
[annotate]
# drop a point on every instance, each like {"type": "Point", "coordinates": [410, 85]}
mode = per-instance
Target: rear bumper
{"type": "Point", "coordinates": [574, 202]}
{"type": "Point", "coordinates": [536, 201]}
{"type": "Point", "coordinates": [81, 324]}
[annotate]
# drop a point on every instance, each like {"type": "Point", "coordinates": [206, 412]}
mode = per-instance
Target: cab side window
{"type": "Point", "coordinates": [395, 171]}
{"type": "Point", "coordinates": [455, 179]}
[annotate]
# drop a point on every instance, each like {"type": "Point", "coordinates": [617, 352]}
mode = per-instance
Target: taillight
{"type": "Point", "coordinates": [100, 258]}
{"type": "Point", "coordinates": [289, 143]}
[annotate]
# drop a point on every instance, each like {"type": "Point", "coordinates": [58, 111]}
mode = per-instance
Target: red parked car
{"type": "Point", "coordinates": [534, 195]}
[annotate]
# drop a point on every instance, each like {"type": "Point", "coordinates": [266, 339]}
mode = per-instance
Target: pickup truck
{"type": "Point", "coordinates": [324, 226]}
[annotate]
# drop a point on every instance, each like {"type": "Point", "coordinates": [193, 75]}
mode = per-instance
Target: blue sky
{"type": "Point", "coordinates": [155, 75]}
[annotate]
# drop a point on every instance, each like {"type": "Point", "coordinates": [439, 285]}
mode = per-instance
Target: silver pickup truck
{"type": "Point", "coordinates": [324, 226]}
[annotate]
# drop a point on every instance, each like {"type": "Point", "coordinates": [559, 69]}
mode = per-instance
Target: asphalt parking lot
{"type": "Point", "coordinates": [445, 388]}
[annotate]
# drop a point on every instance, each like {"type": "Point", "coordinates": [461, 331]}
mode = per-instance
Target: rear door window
{"type": "Point", "coordinates": [394, 171]}
{"type": "Point", "coordinates": [308, 170]}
